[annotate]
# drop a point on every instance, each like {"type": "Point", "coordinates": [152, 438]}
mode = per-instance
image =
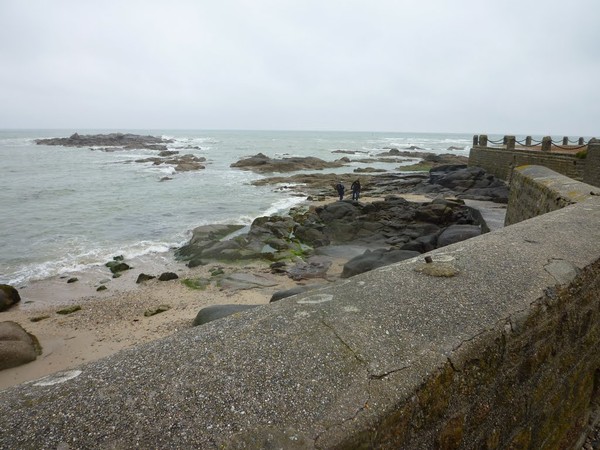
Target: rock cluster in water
{"type": "Point", "coordinates": [123, 140]}
{"type": "Point", "coordinates": [127, 141]}
{"type": "Point", "coordinates": [261, 163]}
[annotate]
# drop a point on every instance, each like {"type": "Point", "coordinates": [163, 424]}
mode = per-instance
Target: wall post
{"type": "Point", "coordinates": [483, 140]}
{"type": "Point", "coordinates": [475, 141]}
{"type": "Point", "coordinates": [546, 143]}
{"type": "Point", "coordinates": [581, 141]}
{"type": "Point", "coordinates": [510, 142]}
{"type": "Point", "coordinates": [565, 140]}
{"type": "Point", "coordinates": [528, 141]}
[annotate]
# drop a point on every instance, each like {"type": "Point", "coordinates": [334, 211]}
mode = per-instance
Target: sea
{"type": "Point", "coordinates": [64, 209]}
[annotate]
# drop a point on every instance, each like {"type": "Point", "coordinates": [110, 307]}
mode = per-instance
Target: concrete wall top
{"type": "Point", "coordinates": [313, 369]}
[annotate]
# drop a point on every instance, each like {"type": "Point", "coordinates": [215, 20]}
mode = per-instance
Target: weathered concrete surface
{"type": "Point", "coordinates": [358, 363]}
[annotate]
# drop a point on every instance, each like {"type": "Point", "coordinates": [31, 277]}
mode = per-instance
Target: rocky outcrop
{"type": "Point", "coordinates": [293, 291]}
{"type": "Point", "coordinates": [9, 296]}
{"type": "Point", "coordinates": [454, 180]}
{"type": "Point", "coordinates": [181, 163]}
{"type": "Point", "coordinates": [123, 140]}
{"type": "Point", "coordinates": [215, 312]}
{"type": "Point", "coordinates": [373, 259]}
{"type": "Point", "coordinates": [17, 347]}
{"type": "Point", "coordinates": [469, 182]}
{"type": "Point", "coordinates": [395, 223]}
{"type": "Point", "coordinates": [261, 163]}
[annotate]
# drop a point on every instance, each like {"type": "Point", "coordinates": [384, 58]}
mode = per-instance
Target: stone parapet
{"type": "Point", "coordinates": [500, 161]}
{"type": "Point", "coordinates": [537, 190]}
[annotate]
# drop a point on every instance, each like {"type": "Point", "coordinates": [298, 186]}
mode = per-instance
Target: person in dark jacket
{"type": "Point", "coordinates": [340, 190]}
{"type": "Point", "coordinates": [355, 190]}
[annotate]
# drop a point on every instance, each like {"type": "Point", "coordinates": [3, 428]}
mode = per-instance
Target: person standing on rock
{"type": "Point", "coordinates": [340, 190]}
{"type": "Point", "coordinates": [355, 187]}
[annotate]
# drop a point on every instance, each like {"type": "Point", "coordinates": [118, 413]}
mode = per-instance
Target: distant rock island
{"type": "Point", "coordinates": [123, 140]}
{"type": "Point", "coordinates": [127, 141]}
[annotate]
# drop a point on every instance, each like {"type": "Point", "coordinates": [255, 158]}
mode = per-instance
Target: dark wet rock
{"type": "Point", "coordinates": [126, 141]}
{"type": "Point", "coordinates": [241, 281]}
{"type": "Point", "coordinates": [373, 259]}
{"type": "Point", "coordinates": [278, 267]}
{"type": "Point", "coordinates": [470, 182]}
{"type": "Point", "coordinates": [117, 265]}
{"type": "Point", "coordinates": [369, 170]}
{"type": "Point", "coordinates": [101, 288]}
{"type": "Point", "coordinates": [144, 277]}
{"type": "Point", "coordinates": [293, 291]}
{"type": "Point", "coordinates": [215, 312]}
{"type": "Point", "coordinates": [262, 163]}
{"type": "Point", "coordinates": [73, 280]}
{"type": "Point", "coordinates": [167, 276]}
{"type": "Point", "coordinates": [69, 310]}
{"type": "Point", "coordinates": [457, 233]}
{"type": "Point", "coordinates": [313, 267]}
{"type": "Point", "coordinates": [203, 237]}
{"type": "Point", "coordinates": [9, 296]}
{"type": "Point", "coordinates": [17, 347]}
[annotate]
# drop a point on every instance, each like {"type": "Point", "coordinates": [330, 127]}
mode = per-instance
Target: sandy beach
{"type": "Point", "coordinates": [113, 319]}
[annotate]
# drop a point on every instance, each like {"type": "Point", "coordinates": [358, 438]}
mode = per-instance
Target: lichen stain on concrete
{"type": "Point", "coordinates": [350, 309]}
{"type": "Point", "coordinates": [314, 299]}
{"type": "Point", "coordinates": [438, 269]}
{"type": "Point", "coordinates": [58, 378]}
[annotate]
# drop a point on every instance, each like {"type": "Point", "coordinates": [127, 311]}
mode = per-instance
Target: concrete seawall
{"type": "Point", "coordinates": [493, 345]}
{"type": "Point", "coordinates": [537, 190]}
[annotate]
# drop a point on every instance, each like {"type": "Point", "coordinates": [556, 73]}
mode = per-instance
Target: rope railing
{"type": "Point", "coordinates": [547, 143]}
{"type": "Point", "coordinates": [570, 147]}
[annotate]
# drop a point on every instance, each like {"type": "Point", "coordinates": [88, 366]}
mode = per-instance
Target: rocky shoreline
{"type": "Point", "coordinates": [227, 271]}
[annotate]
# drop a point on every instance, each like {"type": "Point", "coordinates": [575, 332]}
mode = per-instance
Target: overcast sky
{"type": "Point", "coordinates": [472, 66]}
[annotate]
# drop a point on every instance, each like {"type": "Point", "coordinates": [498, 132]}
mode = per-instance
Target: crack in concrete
{"type": "Point", "coordinates": [365, 365]}
{"type": "Point", "coordinates": [381, 376]}
{"type": "Point", "coordinates": [335, 333]}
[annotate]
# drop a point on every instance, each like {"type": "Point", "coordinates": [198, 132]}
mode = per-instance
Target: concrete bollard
{"type": "Point", "coordinates": [581, 141]}
{"type": "Point", "coordinates": [546, 143]}
{"type": "Point", "coordinates": [475, 141]}
{"type": "Point", "coordinates": [528, 141]}
{"type": "Point", "coordinates": [510, 142]}
{"type": "Point", "coordinates": [565, 140]}
{"type": "Point", "coordinates": [483, 140]}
